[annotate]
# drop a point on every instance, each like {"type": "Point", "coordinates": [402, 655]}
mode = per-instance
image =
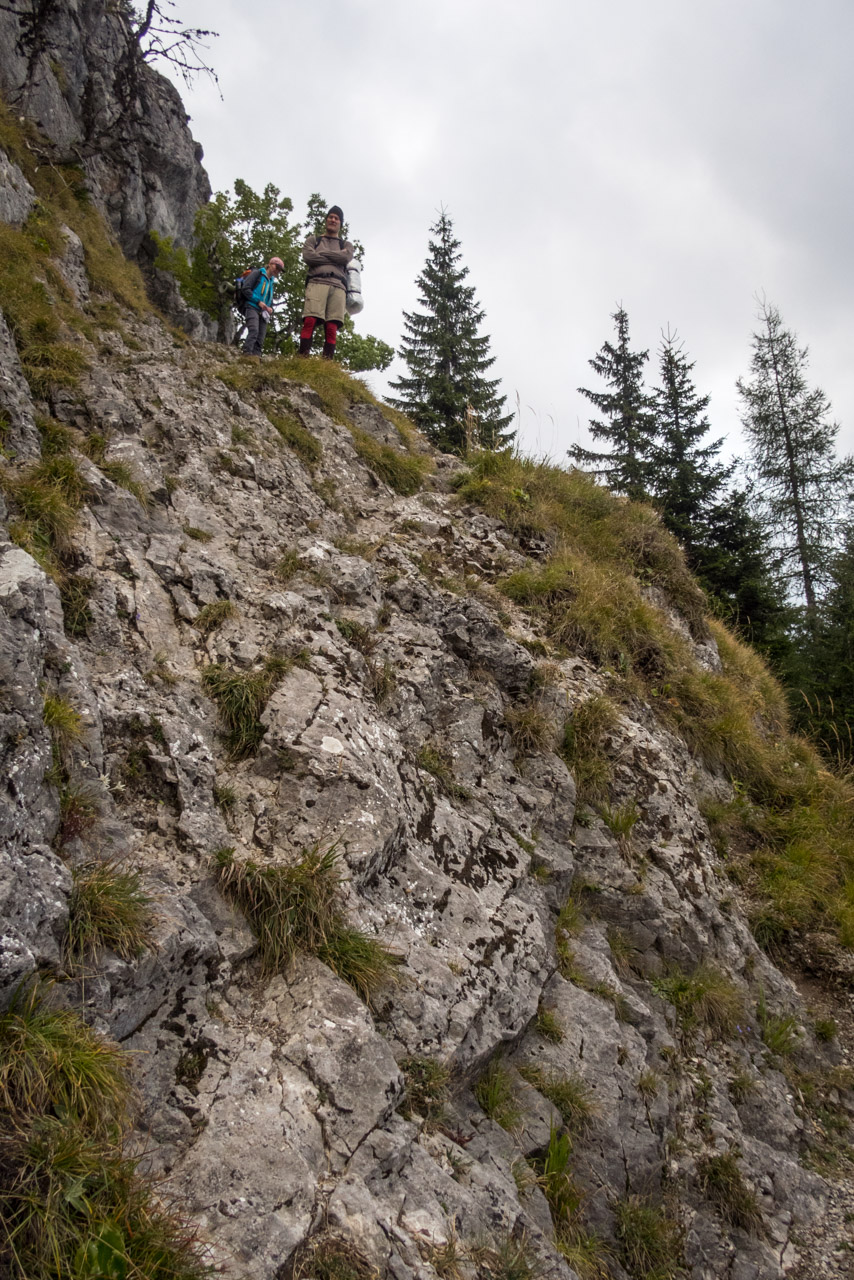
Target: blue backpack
{"type": "Point", "coordinates": [244, 286]}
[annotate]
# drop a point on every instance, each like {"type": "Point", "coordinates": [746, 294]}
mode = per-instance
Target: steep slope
{"type": "Point", "coordinates": [410, 726]}
{"type": "Point", "coordinates": [363, 798]}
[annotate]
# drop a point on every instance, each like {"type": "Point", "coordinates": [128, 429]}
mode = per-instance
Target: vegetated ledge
{"type": "Point", "coordinates": [787, 833]}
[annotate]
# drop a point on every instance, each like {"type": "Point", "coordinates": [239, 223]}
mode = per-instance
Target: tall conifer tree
{"type": "Point", "coordinates": [446, 392]}
{"type": "Point", "coordinates": [724, 544]}
{"type": "Point", "coordinates": [802, 485]}
{"type": "Point", "coordinates": [627, 421]}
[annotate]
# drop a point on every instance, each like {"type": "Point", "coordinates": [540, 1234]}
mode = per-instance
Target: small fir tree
{"type": "Point", "coordinates": [684, 476]}
{"type": "Point", "coordinates": [446, 392]}
{"type": "Point", "coordinates": [627, 422]}
{"type": "Point", "coordinates": [803, 487]}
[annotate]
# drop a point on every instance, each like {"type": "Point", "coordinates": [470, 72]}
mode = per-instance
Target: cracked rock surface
{"type": "Point", "coordinates": [274, 1106]}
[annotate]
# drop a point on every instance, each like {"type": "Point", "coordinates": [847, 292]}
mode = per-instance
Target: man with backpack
{"type": "Point", "coordinates": [326, 284]}
{"type": "Point", "coordinates": [257, 291]}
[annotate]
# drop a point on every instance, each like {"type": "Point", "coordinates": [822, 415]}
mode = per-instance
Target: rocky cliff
{"type": "Point", "coordinates": [438, 968]}
{"type": "Point", "coordinates": [72, 68]}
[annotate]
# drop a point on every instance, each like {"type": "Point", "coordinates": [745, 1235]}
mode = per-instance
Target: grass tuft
{"type": "Point", "coordinates": [703, 998]}
{"type": "Point", "coordinates": [434, 758]}
{"type": "Point", "coordinates": [107, 909]}
{"type": "Point", "coordinates": [550, 1026]}
{"type": "Point", "coordinates": [308, 449]}
{"type": "Point", "coordinates": [298, 908]}
{"type": "Point", "coordinates": [495, 1094]}
{"type": "Point", "coordinates": [241, 696]}
{"type": "Point", "coordinates": [582, 748]}
{"type": "Point", "coordinates": [52, 1064]}
{"type": "Point", "coordinates": [426, 1082]}
{"type": "Point", "coordinates": [531, 728]}
{"type": "Point", "coordinates": [211, 616]}
{"type": "Point", "coordinates": [722, 1182]}
{"type": "Point", "coordinates": [403, 472]}
{"type": "Point", "coordinates": [571, 1094]}
{"type": "Point", "coordinates": [650, 1241]}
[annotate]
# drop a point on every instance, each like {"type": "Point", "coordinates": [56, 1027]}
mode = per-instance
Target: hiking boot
{"type": "Point", "coordinates": [304, 346]}
{"type": "Point", "coordinates": [329, 350]}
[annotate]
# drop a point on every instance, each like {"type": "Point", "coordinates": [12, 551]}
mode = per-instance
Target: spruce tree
{"type": "Point", "coordinates": [627, 421]}
{"type": "Point", "coordinates": [724, 544]}
{"type": "Point", "coordinates": [446, 393]}
{"type": "Point", "coordinates": [803, 486]}
{"type": "Point", "coordinates": [684, 477]}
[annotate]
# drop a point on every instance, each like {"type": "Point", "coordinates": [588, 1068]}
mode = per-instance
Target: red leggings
{"type": "Point", "coordinates": [308, 325]}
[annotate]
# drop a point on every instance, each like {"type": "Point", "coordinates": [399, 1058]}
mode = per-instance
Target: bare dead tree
{"type": "Point", "coordinates": [157, 34]}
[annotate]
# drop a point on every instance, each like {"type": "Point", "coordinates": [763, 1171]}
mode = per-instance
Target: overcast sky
{"type": "Point", "coordinates": [677, 157]}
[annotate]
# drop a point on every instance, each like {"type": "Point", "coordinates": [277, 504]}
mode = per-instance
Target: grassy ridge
{"type": "Point", "coordinates": [605, 590]}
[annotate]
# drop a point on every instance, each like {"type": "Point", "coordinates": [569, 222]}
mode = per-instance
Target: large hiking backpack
{"type": "Point", "coordinates": [355, 301]}
{"type": "Point", "coordinates": [244, 286]}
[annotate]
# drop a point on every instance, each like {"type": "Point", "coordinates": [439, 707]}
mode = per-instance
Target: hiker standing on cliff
{"type": "Point", "coordinates": [259, 305]}
{"type": "Point", "coordinates": [326, 286]}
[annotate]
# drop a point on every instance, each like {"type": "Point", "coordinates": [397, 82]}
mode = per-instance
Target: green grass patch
{"type": "Point", "coordinates": [241, 696]}
{"type": "Point", "coordinates": [495, 1094]}
{"type": "Point", "coordinates": [426, 1083]}
{"type": "Point", "coordinates": [298, 908]}
{"type": "Point", "coordinates": [583, 746]}
{"type": "Point", "coordinates": [703, 998]}
{"type": "Point", "coordinates": [300, 440]}
{"type": "Point", "coordinates": [52, 1064]}
{"type": "Point", "coordinates": [549, 1026]}
{"type": "Point", "coordinates": [531, 728]}
{"type": "Point", "coordinates": [650, 1241]}
{"type": "Point", "coordinates": [107, 909]}
{"type": "Point", "coordinates": [723, 1184]}
{"type": "Point", "coordinates": [570, 509]}
{"type": "Point", "coordinates": [571, 1094]}
{"type": "Point", "coordinates": [436, 759]}
{"type": "Point", "coordinates": [403, 472]}
{"type": "Point", "coordinates": [211, 616]}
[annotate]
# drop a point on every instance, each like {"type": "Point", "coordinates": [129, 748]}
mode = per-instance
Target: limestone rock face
{"type": "Point", "coordinates": [144, 167]}
{"type": "Point", "coordinates": [277, 1105]}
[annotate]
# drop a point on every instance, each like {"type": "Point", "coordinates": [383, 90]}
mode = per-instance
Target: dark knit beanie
{"type": "Point", "coordinates": [336, 208]}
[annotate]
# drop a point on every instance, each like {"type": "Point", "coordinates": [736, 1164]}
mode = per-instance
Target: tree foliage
{"type": "Point", "coordinates": [802, 486]}
{"type": "Point", "coordinates": [627, 422]}
{"type": "Point", "coordinates": [234, 233]}
{"type": "Point", "coordinates": [446, 392]}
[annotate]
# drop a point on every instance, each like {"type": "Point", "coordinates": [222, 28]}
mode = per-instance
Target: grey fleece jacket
{"type": "Point", "coordinates": [327, 261]}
